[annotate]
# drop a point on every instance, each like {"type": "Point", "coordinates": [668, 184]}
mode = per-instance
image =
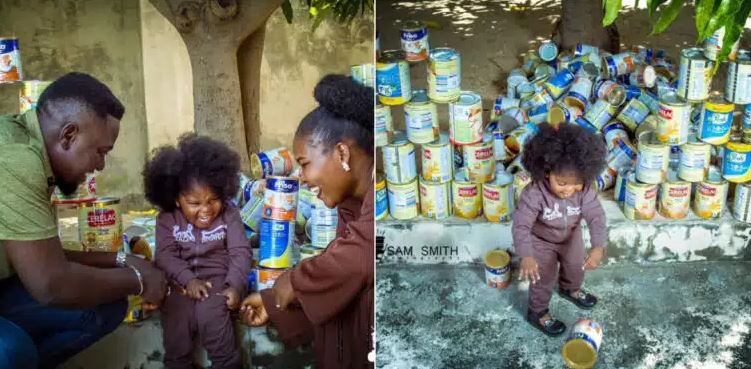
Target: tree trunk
{"type": "Point", "coordinates": [213, 30]}
{"type": "Point", "coordinates": [581, 21]}
{"type": "Point", "coordinates": [251, 52]}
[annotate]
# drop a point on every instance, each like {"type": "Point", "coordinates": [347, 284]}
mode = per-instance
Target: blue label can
{"type": "Point", "coordinates": [560, 82]}
{"type": "Point", "coordinates": [392, 78]}
{"type": "Point", "coordinates": [276, 243]}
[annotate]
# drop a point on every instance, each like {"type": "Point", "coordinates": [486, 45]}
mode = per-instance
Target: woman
{"type": "Point", "coordinates": [329, 298]}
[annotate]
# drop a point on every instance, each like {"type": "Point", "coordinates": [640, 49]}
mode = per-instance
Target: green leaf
{"type": "Point", "coordinates": [611, 11]}
{"type": "Point", "coordinates": [724, 12]}
{"type": "Point", "coordinates": [667, 16]}
{"type": "Point", "coordinates": [653, 4]}
{"type": "Point", "coordinates": [287, 10]}
{"type": "Point", "coordinates": [733, 29]}
{"type": "Point", "coordinates": [321, 15]}
{"type": "Point", "coordinates": [704, 9]}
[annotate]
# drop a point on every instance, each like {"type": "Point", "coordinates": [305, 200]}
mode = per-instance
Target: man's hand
{"type": "Point", "coordinates": [253, 312]}
{"type": "Point", "coordinates": [283, 291]}
{"type": "Point", "coordinates": [594, 258]}
{"type": "Point", "coordinates": [154, 283]}
{"type": "Point", "coordinates": [198, 289]}
{"type": "Point", "coordinates": [233, 298]}
{"type": "Point", "coordinates": [529, 269]}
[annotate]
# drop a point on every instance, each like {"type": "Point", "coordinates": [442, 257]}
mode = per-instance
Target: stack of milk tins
{"type": "Point", "coordinates": [668, 138]}
{"type": "Point", "coordinates": [276, 207]}
{"type": "Point", "coordinates": [458, 168]}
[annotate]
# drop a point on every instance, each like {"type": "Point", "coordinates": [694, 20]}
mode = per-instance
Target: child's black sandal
{"type": "Point", "coordinates": [583, 299]}
{"type": "Point", "coordinates": [551, 327]}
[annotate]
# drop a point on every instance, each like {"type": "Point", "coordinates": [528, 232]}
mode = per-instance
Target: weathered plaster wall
{"type": "Point", "coordinates": [101, 38]}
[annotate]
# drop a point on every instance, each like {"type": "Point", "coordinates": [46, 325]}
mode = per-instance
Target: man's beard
{"type": "Point", "coordinates": [66, 188]}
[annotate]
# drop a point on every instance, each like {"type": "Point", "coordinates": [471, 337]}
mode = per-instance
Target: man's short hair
{"type": "Point", "coordinates": [84, 90]}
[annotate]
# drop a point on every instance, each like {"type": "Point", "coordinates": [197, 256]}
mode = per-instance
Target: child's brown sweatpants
{"type": "Point", "coordinates": [548, 255]}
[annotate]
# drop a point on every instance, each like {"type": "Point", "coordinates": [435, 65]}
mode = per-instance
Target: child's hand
{"type": "Point", "coordinates": [253, 312]}
{"type": "Point", "coordinates": [594, 258]}
{"type": "Point", "coordinates": [198, 289]}
{"type": "Point", "coordinates": [529, 269]}
{"type": "Point", "coordinates": [233, 298]}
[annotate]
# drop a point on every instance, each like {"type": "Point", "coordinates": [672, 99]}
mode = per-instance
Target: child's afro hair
{"type": "Point", "coordinates": [567, 148]}
{"type": "Point", "coordinates": [196, 160]}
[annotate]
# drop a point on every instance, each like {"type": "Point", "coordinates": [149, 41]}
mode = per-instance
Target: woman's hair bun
{"type": "Point", "coordinates": [345, 98]}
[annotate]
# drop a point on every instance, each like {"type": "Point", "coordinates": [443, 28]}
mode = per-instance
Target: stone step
{"type": "Point", "coordinates": [457, 240]}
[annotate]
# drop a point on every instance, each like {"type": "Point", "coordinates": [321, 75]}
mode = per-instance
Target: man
{"type": "Point", "coordinates": [61, 300]}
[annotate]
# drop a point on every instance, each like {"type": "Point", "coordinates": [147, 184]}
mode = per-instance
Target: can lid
{"type": "Point", "coordinates": [419, 97]}
{"type": "Point", "coordinates": [579, 354]}
{"type": "Point", "coordinates": [650, 76]}
{"type": "Point", "coordinates": [392, 56]}
{"type": "Point", "coordinates": [412, 25]}
{"type": "Point", "coordinates": [497, 258]}
{"type": "Point", "coordinates": [443, 54]}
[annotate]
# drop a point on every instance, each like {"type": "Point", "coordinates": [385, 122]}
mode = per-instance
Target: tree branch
{"type": "Point", "coordinates": [164, 7]}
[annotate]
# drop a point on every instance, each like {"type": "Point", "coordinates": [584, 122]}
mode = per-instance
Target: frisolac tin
{"type": "Point", "coordinates": [280, 198]}
{"type": "Point", "coordinates": [600, 113]}
{"type": "Point", "coordinates": [399, 162]}
{"type": "Point", "coordinates": [736, 162]}
{"type": "Point", "coordinates": [641, 201]}
{"type": "Point", "coordinates": [498, 201]}
{"type": "Point", "coordinates": [276, 162]}
{"type": "Point", "coordinates": [421, 118]}
{"type": "Point", "coordinates": [479, 161]}
{"type": "Point", "coordinates": [620, 64]}
{"type": "Point", "coordinates": [384, 126]}
{"type": "Point", "coordinates": [674, 119]}
{"type": "Point", "coordinates": [652, 160]}
{"type": "Point", "coordinates": [580, 92]}
{"type": "Point", "coordinates": [710, 194]}
{"type": "Point", "coordinates": [742, 202]}
{"type": "Point", "coordinates": [620, 156]}
{"type": "Point", "coordinates": [277, 238]}
{"type": "Point", "coordinates": [694, 75]}
{"type": "Point", "coordinates": [10, 60]}
{"type": "Point", "coordinates": [738, 83]}
{"type": "Point", "coordinates": [614, 132]}
{"type": "Point", "coordinates": [404, 200]}
{"type": "Point", "coordinates": [466, 197]}
{"type": "Point", "coordinates": [497, 269]}
{"type": "Point", "coordinates": [381, 198]}
{"type": "Point", "coordinates": [693, 163]}
{"type": "Point", "coordinates": [465, 119]}
{"type": "Point", "coordinates": [444, 75]}
{"type": "Point", "coordinates": [100, 225]}
{"type": "Point", "coordinates": [392, 78]}
{"type": "Point", "coordinates": [633, 114]}
{"type": "Point", "coordinates": [675, 198]}
{"type": "Point", "coordinates": [414, 36]}
{"type": "Point", "coordinates": [619, 190]}
{"type": "Point", "coordinates": [435, 199]}
{"type": "Point", "coordinates": [716, 120]}
{"type": "Point", "coordinates": [559, 83]}
{"type": "Point", "coordinates": [251, 212]}
{"type": "Point", "coordinates": [583, 344]}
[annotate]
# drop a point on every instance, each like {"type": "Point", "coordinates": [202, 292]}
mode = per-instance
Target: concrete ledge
{"type": "Point", "coordinates": [456, 240]}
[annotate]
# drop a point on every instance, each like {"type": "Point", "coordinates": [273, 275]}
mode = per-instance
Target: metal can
{"type": "Point", "coordinates": [562, 112]}
{"type": "Point", "coordinates": [503, 103]}
{"type": "Point", "coordinates": [620, 64]}
{"type": "Point", "coordinates": [619, 189]}
{"type": "Point", "coordinates": [414, 36]}
{"type": "Point", "coordinates": [746, 124]}
{"type": "Point", "coordinates": [633, 114]}
{"type": "Point", "coordinates": [399, 162]}
{"type": "Point", "coordinates": [652, 160]}
{"type": "Point", "coordinates": [309, 251]}
{"type": "Point", "coordinates": [694, 75]}
{"type": "Point", "coordinates": [713, 45]}
{"type": "Point", "coordinates": [466, 197]}
{"type": "Point", "coordinates": [322, 225]}
{"type": "Point", "coordinates": [252, 209]}
{"type": "Point", "coordinates": [435, 199]}
{"type": "Point", "coordinates": [392, 78]}
{"type": "Point", "coordinates": [738, 83]}
{"type": "Point", "coordinates": [611, 91]}
{"type": "Point", "coordinates": [479, 161]}
{"type": "Point", "coordinates": [643, 76]}
{"type": "Point", "coordinates": [600, 113]}
{"type": "Point", "coordinates": [29, 94]}
{"type": "Point", "coordinates": [650, 100]}
{"type": "Point", "coordinates": [674, 119]}
{"type": "Point", "coordinates": [613, 133]}
{"type": "Point", "coordinates": [742, 202]}
{"type": "Point", "coordinates": [579, 93]}
{"type": "Point", "coordinates": [716, 120]}
{"type": "Point", "coordinates": [675, 198]}
{"type": "Point", "coordinates": [559, 83]}
{"type": "Point", "coordinates": [404, 200]}
{"type": "Point", "coordinates": [584, 49]}
{"type": "Point", "coordinates": [421, 118]}
{"type": "Point", "coordinates": [384, 126]}
{"type": "Point", "coordinates": [710, 194]}
{"type": "Point", "coordinates": [465, 119]}
{"type": "Point", "coordinates": [100, 225]}
{"type": "Point", "coordinates": [622, 155]}
{"type": "Point", "coordinates": [275, 162]}
{"type": "Point", "coordinates": [497, 269]}
{"type": "Point", "coordinates": [521, 179]}
{"type": "Point", "coordinates": [280, 198]}
{"type": "Point", "coordinates": [499, 146]}
{"type": "Point", "coordinates": [363, 74]}
{"type": "Point", "coordinates": [497, 201]}
{"type": "Point", "coordinates": [267, 276]}
{"type": "Point", "coordinates": [444, 75]}
{"type": "Point", "coordinates": [605, 180]}
{"type": "Point", "coordinates": [583, 344]}
{"type": "Point", "coordinates": [641, 201]}
{"type": "Point", "coordinates": [516, 139]}
{"type": "Point", "coordinates": [581, 122]}
{"type": "Point", "coordinates": [381, 198]}
{"type": "Point", "coordinates": [10, 60]}
{"type": "Point", "coordinates": [276, 243]}
{"type": "Point", "coordinates": [437, 162]}
{"type": "Point", "coordinates": [548, 51]}
{"type": "Point", "coordinates": [515, 78]}
{"type": "Point", "coordinates": [694, 161]}
{"type": "Point", "coordinates": [736, 162]}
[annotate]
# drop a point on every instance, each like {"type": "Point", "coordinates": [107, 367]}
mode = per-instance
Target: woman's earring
{"type": "Point", "coordinates": [345, 166]}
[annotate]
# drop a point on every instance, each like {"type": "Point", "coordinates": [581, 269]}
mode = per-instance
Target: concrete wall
{"type": "Point", "coordinates": [101, 38]}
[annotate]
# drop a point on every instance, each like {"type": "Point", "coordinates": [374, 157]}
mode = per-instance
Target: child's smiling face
{"type": "Point", "coordinates": [564, 185]}
{"type": "Point", "coordinates": [200, 205]}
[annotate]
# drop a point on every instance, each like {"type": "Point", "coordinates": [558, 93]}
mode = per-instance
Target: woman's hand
{"type": "Point", "coordinates": [529, 269]}
{"type": "Point", "coordinates": [253, 312]}
{"type": "Point", "coordinates": [594, 258]}
{"type": "Point", "coordinates": [283, 291]}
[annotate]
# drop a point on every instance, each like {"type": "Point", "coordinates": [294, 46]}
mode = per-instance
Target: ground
{"type": "Point", "coordinates": [693, 315]}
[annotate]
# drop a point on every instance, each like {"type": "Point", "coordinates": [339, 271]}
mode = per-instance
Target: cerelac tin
{"type": "Point", "coordinates": [280, 198]}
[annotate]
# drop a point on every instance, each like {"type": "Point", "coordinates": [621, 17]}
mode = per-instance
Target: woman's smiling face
{"type": "Point", "coordinates": [322, 170]}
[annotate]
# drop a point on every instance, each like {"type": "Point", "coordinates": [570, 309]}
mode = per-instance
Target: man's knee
{"type": "Point", "coordinates": [107, 317]}
{"type": "Point", "coordinates": [17, 350]}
